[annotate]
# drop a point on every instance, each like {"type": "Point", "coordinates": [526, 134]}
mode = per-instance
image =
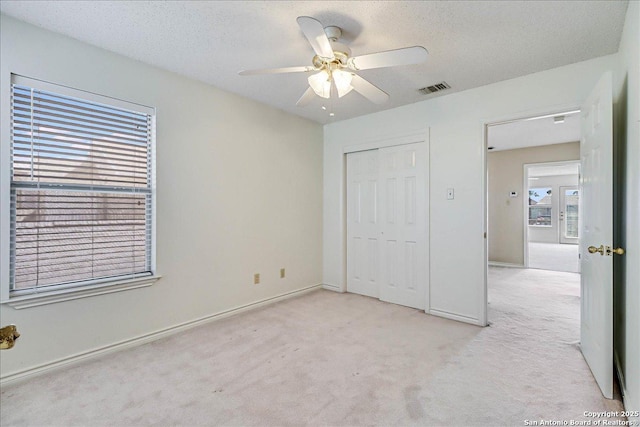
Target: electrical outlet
{"type": "Point", "coordinates": [282, 273]}
{"type": "Point", "coordinates": [256, 278]}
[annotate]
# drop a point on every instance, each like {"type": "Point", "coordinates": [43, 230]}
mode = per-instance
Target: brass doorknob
{"type": "Point", "coordinates": [593, 249]}
{"type": "Point", "coordinates": [605, 250]}
{"type": "Point", "coordinates": [8, 336]}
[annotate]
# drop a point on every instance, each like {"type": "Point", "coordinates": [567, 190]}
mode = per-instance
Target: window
{"type": "Point", "coordinates": [571, 207]}
{"type": "Point", "coordinates": [81, 189]}
{"type": "Point", "coordinates": [540, 206]}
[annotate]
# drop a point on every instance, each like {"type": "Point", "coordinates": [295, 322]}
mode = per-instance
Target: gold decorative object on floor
{"type": "Point", "coordinates": [8, 336]}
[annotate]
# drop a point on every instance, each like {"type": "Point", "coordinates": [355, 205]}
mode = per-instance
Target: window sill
{"type": "Point", "coordinates": [55, 296]}
{"type": "Point", "coordinates": [540, 226]}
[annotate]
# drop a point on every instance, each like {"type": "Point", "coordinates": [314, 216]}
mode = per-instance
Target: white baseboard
{"type": "Point", "coordinates": [331, 287]}
{"type": "Point", "coordinates": [453, 316]}
{"type": "Point", "coordinates": [505, 264]}
{"type": "Point", "coordinates": [143, 339]}
{"type": "Point", "coordinates": [623, 389]}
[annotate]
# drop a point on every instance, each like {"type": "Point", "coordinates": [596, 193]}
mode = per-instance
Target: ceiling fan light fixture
{"type": "Point", "coordinates": [321, 84]}
{"type": "Point", "coordinates": [342, 79]}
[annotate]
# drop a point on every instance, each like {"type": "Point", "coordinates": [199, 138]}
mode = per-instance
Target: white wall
{"type": "Point", "coordinates": [239, 192]}
{"type": "Point", "coordinates": [458, 248]}
{"type": "Point", "coordinates": [505, 171]}
{"type": "Point", "coordinates": [627, 233]}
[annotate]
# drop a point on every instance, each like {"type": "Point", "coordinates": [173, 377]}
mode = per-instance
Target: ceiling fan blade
{"type": "Point", "coordinates": [301, 69]}
{"type": "Point", "coordinates": [314, 32]}
{"type": "Point", "coordinates": [306, 97]}
{"type": "Point", "coordinates": [389, 58]}
{"type": "Point", "coordinates": [368, 90]}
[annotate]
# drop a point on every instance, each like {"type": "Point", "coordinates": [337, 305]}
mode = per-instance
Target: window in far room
{"type": "Point", "coordinates": [540, 206]}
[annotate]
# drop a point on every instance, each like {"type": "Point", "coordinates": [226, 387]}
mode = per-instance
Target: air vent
{"type": "Point", "coordinates": [435, 88]}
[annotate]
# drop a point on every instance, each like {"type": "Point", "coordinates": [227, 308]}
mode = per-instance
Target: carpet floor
{"type": "Point", "coordinates": [340, 360]}
{"type": "Point", "coordinates": [554, 256]}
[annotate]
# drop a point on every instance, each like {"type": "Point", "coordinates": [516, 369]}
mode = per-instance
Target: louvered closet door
{"type": "Point", "coordinates": [403, 224]}
{"type": "Point", "coordinates": [362, 223]}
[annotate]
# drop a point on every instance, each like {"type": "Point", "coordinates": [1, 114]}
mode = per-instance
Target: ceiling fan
{"type": "Point", "coordinates": [334, 67]}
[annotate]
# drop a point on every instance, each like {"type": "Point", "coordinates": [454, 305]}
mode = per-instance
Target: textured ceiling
{"type": "Point", "coordinates": [534, 132]}
{"type": "Point", "coordinates": [470, 43]}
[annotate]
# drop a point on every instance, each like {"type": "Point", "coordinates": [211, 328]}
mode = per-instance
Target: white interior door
{"type": "Point", "coordinates": [362, 223]}
{"type": "Point", "coordinates": [596, 230]}
{"type": "Point", "coordinates": [403, 219]}
{"type": "Point", "coordinates": [569, 214]}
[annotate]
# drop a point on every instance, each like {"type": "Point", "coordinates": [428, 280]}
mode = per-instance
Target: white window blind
{"type": "Point", "coordinates": [80, 191]}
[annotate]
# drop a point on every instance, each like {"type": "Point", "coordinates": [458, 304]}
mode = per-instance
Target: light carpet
{"type": "Point", "coordinates": [554, 256]}
{"type": "Point", "coordinates": [339, 359]}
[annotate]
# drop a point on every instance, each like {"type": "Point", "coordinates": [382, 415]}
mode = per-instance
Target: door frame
{"type": "Point", "coordinates": [525, 205]}
{"type": "Point", "coordinates": [421, 135]}
{"type": "Point", "coordinates": [510, 117]}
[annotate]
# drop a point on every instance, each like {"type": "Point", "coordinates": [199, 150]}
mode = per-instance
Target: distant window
{"type": "Point", "coordinates": [81, 193]}
{"type": "Point", "coordinates": [540, 206]}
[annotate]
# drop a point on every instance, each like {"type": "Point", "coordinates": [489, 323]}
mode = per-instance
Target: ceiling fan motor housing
{"type": "Point", "coordinates": [341, 54]}
{"type": "Point", "coordinates": [333, 32]}
{"type": "Point", "coordinates": [341, 51]}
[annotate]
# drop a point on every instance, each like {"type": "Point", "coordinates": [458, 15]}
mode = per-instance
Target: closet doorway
{"type": "Point", "coordinates": [387, 224]}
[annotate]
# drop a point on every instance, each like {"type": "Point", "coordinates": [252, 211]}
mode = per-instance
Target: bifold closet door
{"type": "Point", "coordinates": [403, 219]}
{"type": "Point", "coordinates": [387, 217]}
{"type": "Point", "coordinates": [362, 223]}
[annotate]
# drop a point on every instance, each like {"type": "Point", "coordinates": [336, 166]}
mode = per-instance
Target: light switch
{"type": "Point", "coordinates": [449, 193]}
